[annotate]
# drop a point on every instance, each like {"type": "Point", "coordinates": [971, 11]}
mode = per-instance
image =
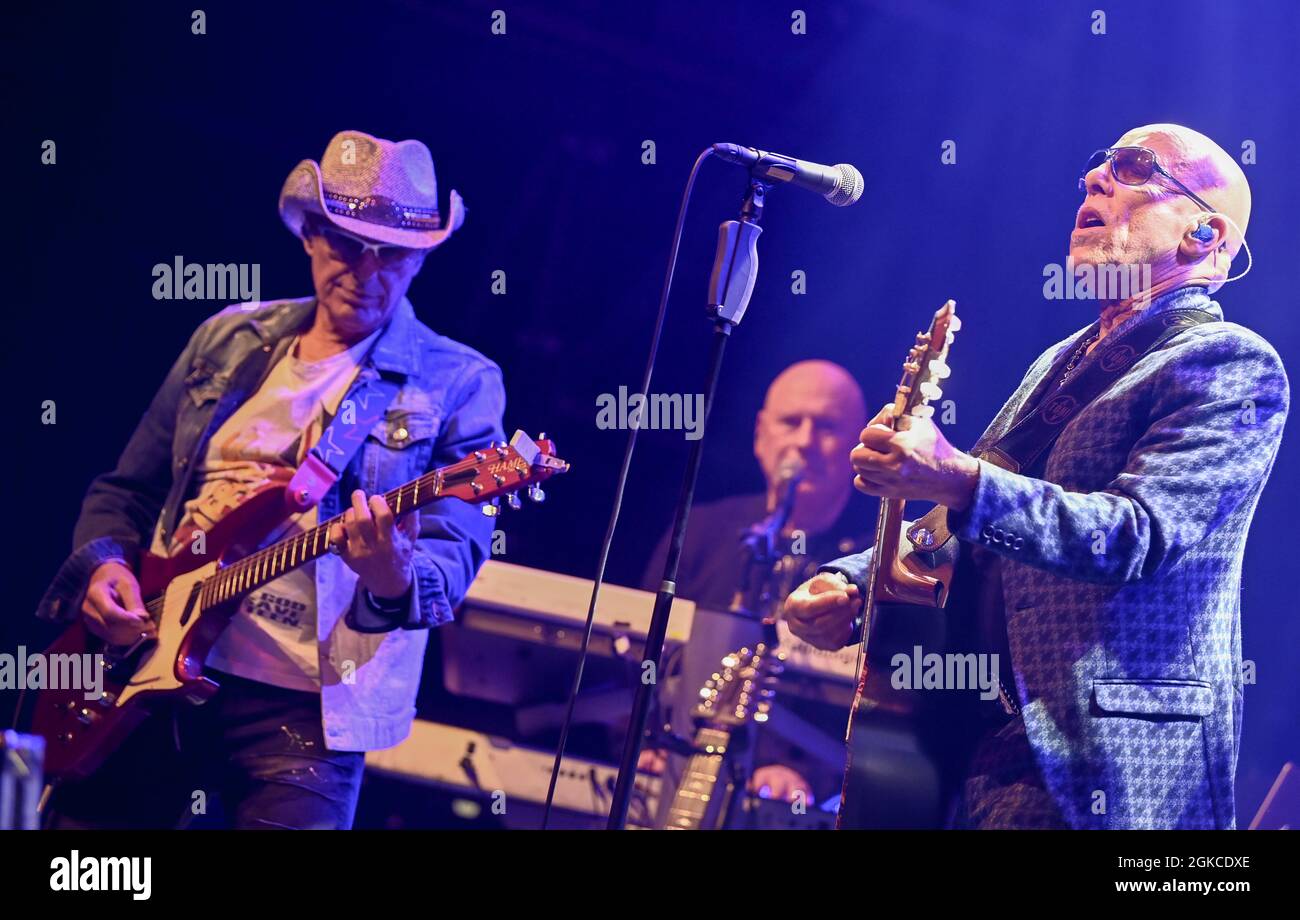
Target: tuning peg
{"type": "Point", "coordinates": [930, 390]}
{"type": "Point", "coordinates": [492, 508]}
{"type": "Point", "coordinates": [939, 369]}
{"type": "Point", "coordinates": [536, 494]}
{"type": "Point", "coordinates": [513, 502]}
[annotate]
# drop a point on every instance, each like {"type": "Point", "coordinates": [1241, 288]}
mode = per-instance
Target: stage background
{"type": "Point", "coordinates": [174, 144]}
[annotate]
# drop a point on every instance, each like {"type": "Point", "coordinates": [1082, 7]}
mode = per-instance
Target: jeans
{"type": "Point", "coordinates": [252, 757]}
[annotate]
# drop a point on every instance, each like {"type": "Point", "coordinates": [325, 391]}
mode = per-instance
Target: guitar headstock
{"type": "Point", "coordinates": [926, 365]}
{"type": "Point", "coordinates": [502, 470]}
{"type": "Point", "coordinates": [742, 687]}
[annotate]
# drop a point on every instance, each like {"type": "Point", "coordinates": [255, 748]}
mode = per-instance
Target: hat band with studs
{"type": "Point", "coordinates": [378, 209]}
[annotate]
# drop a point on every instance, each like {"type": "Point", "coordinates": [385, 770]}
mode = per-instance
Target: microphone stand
{"type": "Point", "coordinates": [735, 268]}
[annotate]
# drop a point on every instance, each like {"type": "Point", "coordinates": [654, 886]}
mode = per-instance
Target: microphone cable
{"type": "Point", "coordinates": [621, 486]}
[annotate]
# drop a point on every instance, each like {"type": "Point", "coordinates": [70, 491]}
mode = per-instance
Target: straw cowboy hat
{"type": "Point", "coordinates": [374, 188]}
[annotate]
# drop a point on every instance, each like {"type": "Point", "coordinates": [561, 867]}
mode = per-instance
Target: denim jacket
{"type": "Point", "coordinates": [450, 403]}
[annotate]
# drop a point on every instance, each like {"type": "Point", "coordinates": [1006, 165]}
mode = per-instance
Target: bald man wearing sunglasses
{"type": "Point", "coordinates": [1107, 571]}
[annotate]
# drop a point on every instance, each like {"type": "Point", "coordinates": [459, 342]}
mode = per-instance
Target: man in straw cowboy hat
{"type": "Point", "coordinates": [321, 664]}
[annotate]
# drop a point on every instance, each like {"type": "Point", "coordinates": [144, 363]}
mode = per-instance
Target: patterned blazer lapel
{"type": "Point", "coordinates": [1040, 378]}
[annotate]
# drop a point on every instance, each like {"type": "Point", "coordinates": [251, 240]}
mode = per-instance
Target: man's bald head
{"type": "Point", "coordinates": [1203, 166]}
{"type": "Point", "coordinates": [1152, 224]}
{"type": "Point", "coordinates": [813, 413]}
{"type": "Point", "coordinates": [825, 380]}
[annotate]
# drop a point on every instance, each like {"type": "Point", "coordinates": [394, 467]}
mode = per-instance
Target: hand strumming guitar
{"type": "Point", "coordinates": [821, 610]}
{"type": "Point", "coordinates": [112, 609]}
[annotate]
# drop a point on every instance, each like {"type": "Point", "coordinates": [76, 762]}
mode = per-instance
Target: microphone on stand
{"type": "Point", "coordinates": [761, 538]}
{"type": "Point", "coordinates": [840, 184]}
{"type": "Point", "coordinates": [788, 476]}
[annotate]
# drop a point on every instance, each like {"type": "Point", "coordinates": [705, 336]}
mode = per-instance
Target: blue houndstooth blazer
{"type": "Point", "coordinates": [1121, 573]}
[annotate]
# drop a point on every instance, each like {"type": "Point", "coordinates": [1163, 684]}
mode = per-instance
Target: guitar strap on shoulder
{"type": "Point", "coordinates": [1029, 438]}
{"type": "Point", "coordinates": [1020, 447]}
{"type": "Point", "coordinates": [358, 413]}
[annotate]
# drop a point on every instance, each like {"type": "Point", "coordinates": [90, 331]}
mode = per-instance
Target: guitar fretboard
{"type": "Point", "coordinates": [695, 791]}
{"type": "Point", "coordinates": [266, 565]}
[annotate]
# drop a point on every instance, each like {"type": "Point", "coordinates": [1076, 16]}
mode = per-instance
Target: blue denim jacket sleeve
{"type": "Point", "coordinates": [455, 537]}
{"type": "Point", "coordinates": [121, 507]}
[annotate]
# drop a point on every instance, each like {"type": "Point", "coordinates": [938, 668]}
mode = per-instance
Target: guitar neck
{"type": "Point", "coordinates": [695, 791]}
{"type": "Point", "coordinates": [259, 568]}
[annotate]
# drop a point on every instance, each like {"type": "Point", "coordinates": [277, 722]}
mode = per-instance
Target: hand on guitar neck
{"type": "Point", "coordinates": [377, 545]}
{"type": "Point", "coordinates": [915, 463]}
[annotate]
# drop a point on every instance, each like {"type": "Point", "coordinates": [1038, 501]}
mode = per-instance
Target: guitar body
{"type": "Point", "coordinates": [907, 748]}
{"type": "Point", "coordinates": [80, 733]}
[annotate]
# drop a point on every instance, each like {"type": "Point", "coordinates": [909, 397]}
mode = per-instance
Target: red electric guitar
{"type": "Point", "coordinates": [192, 597]}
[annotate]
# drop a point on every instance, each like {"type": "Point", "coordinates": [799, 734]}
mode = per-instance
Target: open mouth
{"type": "Point", "coordinates": [1088, 219]}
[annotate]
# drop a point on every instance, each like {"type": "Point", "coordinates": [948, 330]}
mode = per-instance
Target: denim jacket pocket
{"type": "Point", "coordinates": [402, 429]}
{"type": "Point", "coordinates": [400, 446]}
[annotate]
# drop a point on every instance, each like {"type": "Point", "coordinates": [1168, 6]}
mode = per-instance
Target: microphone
{"type": "Point", "coordinates": [841, 184]}
{"type": "Point", "coordinates": [788, 476]}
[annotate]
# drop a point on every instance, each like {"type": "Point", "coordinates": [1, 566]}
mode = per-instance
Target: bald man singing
{"type": "Point", "coordinates": [1108, 570]}
{"type": "Point", "coordinates": [809, 421]}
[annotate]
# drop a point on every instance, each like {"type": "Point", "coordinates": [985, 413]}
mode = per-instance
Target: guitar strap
{"type": "Point", "coordinates": [1030, 437]}
{"type": "Point", "coordinates": [358, 413]}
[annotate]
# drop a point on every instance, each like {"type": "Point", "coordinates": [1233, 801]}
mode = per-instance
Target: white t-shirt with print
{"type": "Point", "coordinates": [272, 638]}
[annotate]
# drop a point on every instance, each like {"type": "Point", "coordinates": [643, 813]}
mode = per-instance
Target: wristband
{"type": "Point", "coordinates": [391, 606]}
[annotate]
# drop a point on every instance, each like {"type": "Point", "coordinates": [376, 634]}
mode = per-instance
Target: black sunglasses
{"type": "Point", "coordinates": [1134, 166]}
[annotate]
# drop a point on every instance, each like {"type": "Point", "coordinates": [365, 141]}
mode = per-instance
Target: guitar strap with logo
{"type": "Point", "coordinates": [358, 413]}
{"type": "Point", "coordinates": [1030, 437]}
